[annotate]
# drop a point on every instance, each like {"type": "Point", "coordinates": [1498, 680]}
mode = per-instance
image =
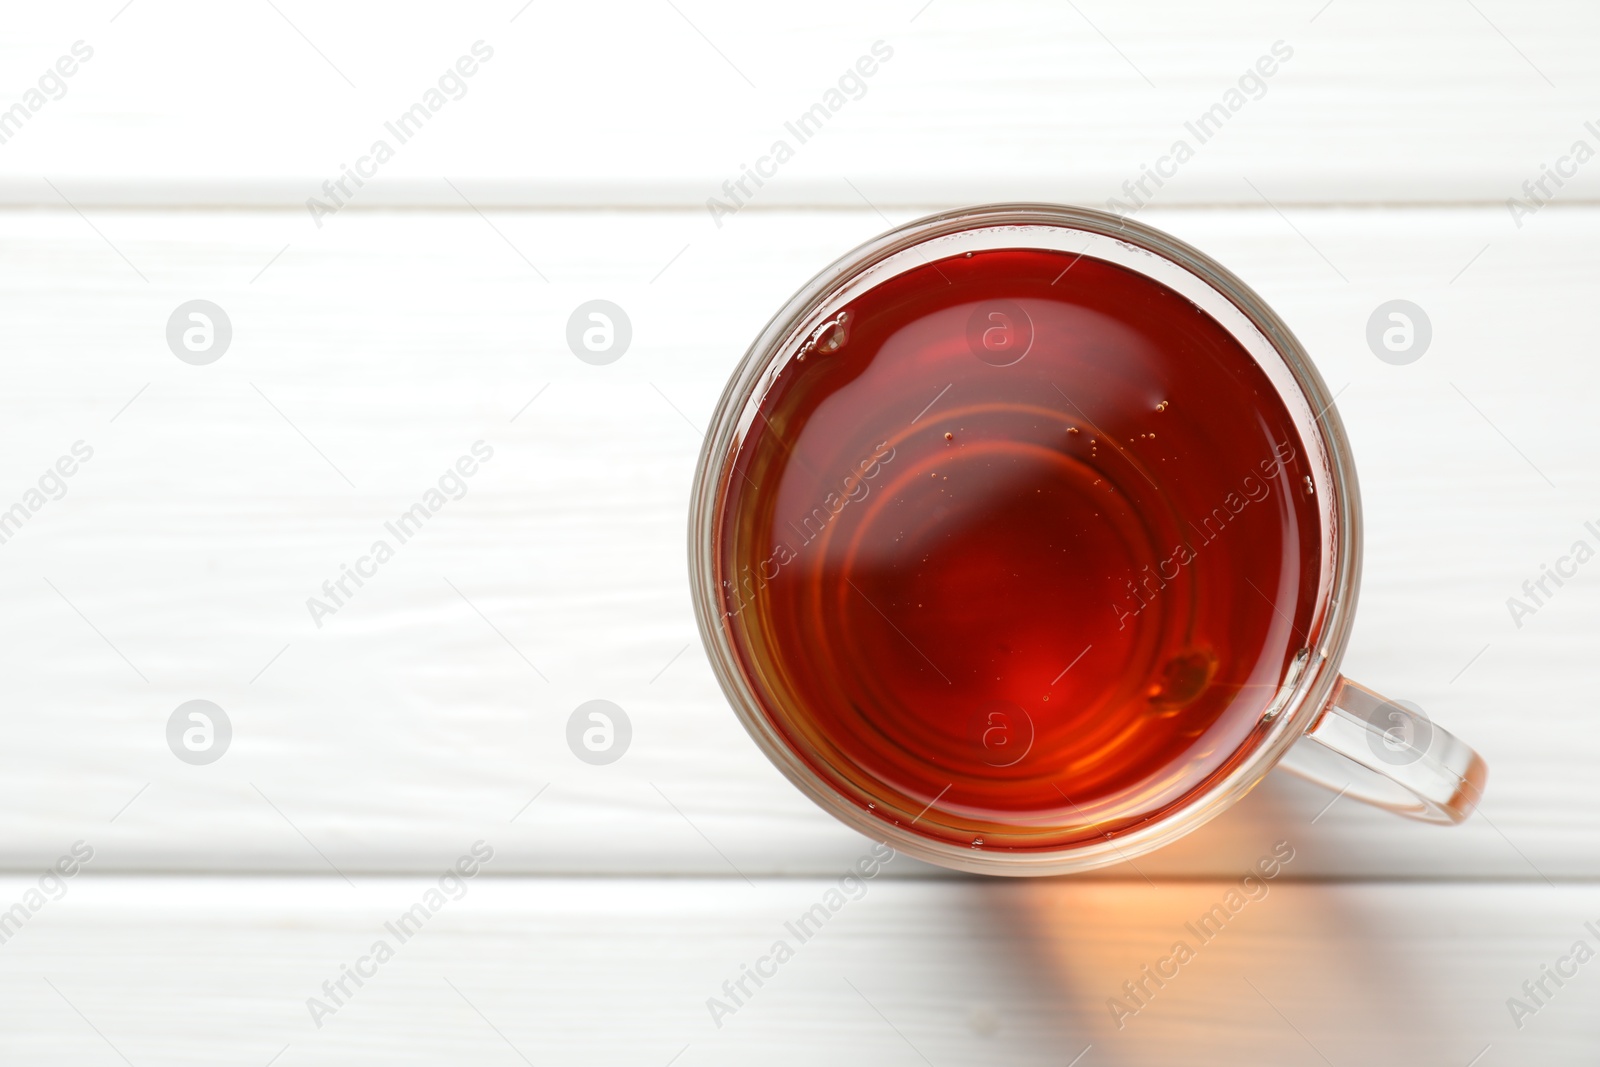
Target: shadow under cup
{"type": "Point", "coordinates": [1024, 539]}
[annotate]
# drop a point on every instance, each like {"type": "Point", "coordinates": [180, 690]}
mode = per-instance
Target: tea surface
{"type": "Point", "coordinates": [1020, 550]}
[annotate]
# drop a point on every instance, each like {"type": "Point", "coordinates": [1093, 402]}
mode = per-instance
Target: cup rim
{"type": "Point", "coordinates": [1311, 680]}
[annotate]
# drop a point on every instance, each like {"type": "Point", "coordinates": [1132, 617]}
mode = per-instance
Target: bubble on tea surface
{"type": "Point", "coordinates": [828, 338]}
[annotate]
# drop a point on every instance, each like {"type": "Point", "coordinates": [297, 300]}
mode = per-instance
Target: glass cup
{"type": "Point", "coordinates": [1318, 724]}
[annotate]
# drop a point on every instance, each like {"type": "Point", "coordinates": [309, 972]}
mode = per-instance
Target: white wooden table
{"type": "Point", "coordinates": [429, 712]}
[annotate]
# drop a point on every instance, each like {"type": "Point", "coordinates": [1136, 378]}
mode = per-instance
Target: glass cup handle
{"type": "Point", "coordinates": [1391, 755]}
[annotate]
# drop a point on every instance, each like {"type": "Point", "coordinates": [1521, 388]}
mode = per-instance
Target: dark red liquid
{"type": "Point", "coordinates": [1018, 563]}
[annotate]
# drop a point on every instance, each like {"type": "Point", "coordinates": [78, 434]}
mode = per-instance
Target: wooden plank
{"type": "Point", "coordinates": [370, 355]}
{"type": "Point", "coordinates": [652, 104]}
{"type": "Point", "coordinates": [945, 972]}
